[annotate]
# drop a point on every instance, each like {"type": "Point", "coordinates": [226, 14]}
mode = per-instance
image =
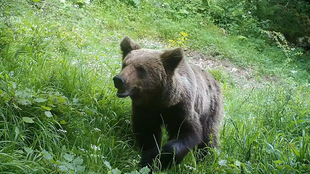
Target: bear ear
{"type": "Point", "coordinates": [128, 45]}
{"type": "Point", "coordinates": [171, 59]}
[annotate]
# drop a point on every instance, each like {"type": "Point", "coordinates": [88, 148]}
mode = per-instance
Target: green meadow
{"type": "Point", "coordinates": [58, 107]}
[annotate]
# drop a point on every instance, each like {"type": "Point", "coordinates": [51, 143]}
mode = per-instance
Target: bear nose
{"type": "Point", "coordinates": [118, 82]}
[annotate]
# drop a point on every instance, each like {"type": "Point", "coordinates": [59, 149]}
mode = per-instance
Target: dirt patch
{"type": "Point", "coordinates": [243, 77]}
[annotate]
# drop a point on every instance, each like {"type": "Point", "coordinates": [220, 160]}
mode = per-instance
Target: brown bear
{"type": "Point", "coordinates": [168, 92]}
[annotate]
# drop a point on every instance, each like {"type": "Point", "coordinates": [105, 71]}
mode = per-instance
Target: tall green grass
{"type": "Point", "coordinates": [59, 113]}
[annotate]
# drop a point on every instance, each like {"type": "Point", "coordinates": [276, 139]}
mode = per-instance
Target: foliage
{"type": "Point", "coordinates": [248, 18]}
{"type": "Point", "coordinates": [288, 17]}
{"type": "Point", "coordinates": [180, 41]}
{"type": "Point", "coordinates": [284, 45]}
{"type": "Point", "coordinates": [59, 113]}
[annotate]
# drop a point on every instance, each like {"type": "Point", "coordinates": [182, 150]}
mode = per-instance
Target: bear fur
{"type": "Point", "coordinates": [168, 92]}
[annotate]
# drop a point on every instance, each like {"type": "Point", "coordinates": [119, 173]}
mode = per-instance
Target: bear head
{"type": "Point", "coordinates": [146, 74]}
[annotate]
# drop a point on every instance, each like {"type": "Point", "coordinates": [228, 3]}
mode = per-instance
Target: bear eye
{"type": "Point", "coordinates": [141, 71]}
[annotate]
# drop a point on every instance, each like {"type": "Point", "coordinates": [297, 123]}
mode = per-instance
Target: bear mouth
{"type": "Point", "coordinates": [121, 93]}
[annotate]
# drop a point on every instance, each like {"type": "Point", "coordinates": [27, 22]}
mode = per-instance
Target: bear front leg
{"type": "Point", "coordinates": [149, 143]}
{"type": "Point", "coordinates": [185, 132]}
{"type": "Point", "coordinates": [175, 150]}
{"type": "Point", "coordinates": [146, 127]}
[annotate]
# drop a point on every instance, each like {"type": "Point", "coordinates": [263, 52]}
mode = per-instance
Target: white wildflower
{"type": "Point", "coordinates": [82, 149]}
{"type": "Point", "coordinates": [190, 167]}
{"type": "Point", "coordinates": [97, 129]}
{"type": "Point", "coordinates": [95, 147]}
{"type": "Point", "coordinates": [62, 130]}
{"type": "Point", "coordinates": [223, 162]}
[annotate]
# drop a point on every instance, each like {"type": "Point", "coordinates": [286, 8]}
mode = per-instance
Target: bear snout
{"type": "Point", "coordinates": [119, 82]}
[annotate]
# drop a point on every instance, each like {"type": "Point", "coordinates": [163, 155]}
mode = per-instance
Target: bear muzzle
{"type": "Point", "coordinates": [119, 83]}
